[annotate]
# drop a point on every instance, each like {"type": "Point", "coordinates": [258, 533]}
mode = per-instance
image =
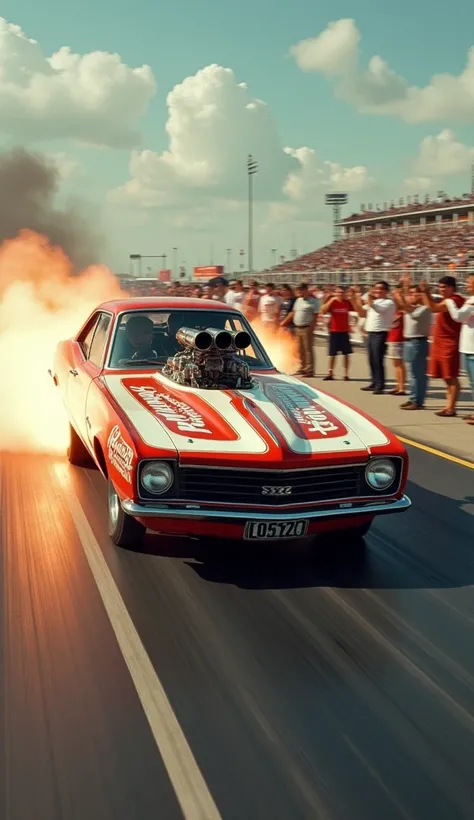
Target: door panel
{"type": "Point", "coordinates": [87, 364]}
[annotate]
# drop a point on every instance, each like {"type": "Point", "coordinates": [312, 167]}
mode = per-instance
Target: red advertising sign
{"type": "Point", "coordinates": [209, 271]}
{"type": "Point", "coordinates": [164, 276]}
{"type": "Point", "coordinates": [182, 413]}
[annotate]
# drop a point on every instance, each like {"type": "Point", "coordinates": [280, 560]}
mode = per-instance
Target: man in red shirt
{"type": "Point", "coordinates": [444, 357]}
{"type": "Point", "coordinates": [338, 307]}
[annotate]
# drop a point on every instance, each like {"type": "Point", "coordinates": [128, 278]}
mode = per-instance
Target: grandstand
{"type": "Point", "coordinates": [425, 237]}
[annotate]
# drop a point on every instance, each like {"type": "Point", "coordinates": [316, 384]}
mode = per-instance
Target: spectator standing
{"type": "Point", "coordinates": [465, 315]}
{"type": "Point", "coordinates": [416, 331]}
{"type": "Point", "coordinates": [235, 296]}
{"type": "Point", "coordinates": [287, 301]}
{"type": "Point", "coordinates": [444, 358]}
{"type": "Point", "coordinates": [219, 288]}
{"type": "Point", "coordinates": [395, 348]}
{"type": "Point", "coordinates": [252, 301]}
{"type": "Point", "coordinates": [339, 308]}
{"type": "Point", "coordinates": [380, 312]}
{"type": "Point", "coordinates": [269, 306]}
{"type": "Point", "coordinates": [304, 317]}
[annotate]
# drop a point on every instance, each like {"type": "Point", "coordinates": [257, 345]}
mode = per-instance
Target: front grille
{"type": "Point", "coordinates": [245, 486]}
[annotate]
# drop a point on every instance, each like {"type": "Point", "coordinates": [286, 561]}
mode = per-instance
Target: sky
{"type": "Point", "coordinates": [150, 110]}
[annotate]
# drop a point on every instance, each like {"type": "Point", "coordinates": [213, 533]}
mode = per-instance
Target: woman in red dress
{"type": "Point", "coordinates": [444, 355]}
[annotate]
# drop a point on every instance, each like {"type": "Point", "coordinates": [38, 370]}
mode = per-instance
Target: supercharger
{"type": "Point", "coordinates": [210, 360]}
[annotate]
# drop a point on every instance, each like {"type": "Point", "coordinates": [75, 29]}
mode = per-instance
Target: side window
{"type": "Point", "coordinates": [85, 340]}
{"type": "Point", "coordinates": [97, 347]}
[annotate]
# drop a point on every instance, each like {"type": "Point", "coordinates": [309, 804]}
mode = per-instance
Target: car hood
{"type": "Point", "coordinates": [280, 418]}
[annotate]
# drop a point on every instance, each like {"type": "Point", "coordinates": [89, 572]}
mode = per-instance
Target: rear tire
{"type": "Point", "coordinates": [77, 453]}
{"type": "Point", "coordinates": [124, 530]}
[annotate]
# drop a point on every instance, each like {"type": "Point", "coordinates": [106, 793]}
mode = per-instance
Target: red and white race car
{"type": "Point", "coordinates": [197, 433]}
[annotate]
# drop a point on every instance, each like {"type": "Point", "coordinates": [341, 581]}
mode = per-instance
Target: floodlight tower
{"type": "Point", "coordinates": [336, 201]}
{"type": "Point", "coordinates": [252, 168]}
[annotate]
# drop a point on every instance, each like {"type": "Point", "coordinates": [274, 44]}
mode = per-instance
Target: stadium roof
{"type": "Point", "coordinates": [421, 208]}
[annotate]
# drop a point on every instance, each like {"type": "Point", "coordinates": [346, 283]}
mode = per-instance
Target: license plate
{"type": "Point", "coordinates": [277, 530]}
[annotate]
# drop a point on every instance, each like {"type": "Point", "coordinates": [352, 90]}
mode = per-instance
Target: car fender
{"type": "Point", "coordinates": [114, 442]}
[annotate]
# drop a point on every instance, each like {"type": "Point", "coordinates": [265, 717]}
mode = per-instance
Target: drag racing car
{"type": "Point", "coordinates": [196, 433]}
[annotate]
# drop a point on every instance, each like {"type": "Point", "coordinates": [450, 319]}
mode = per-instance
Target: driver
{"type": "Point", "coordinates": [174, 323]}
{"type": "Point", "coordinates": [139, 330]}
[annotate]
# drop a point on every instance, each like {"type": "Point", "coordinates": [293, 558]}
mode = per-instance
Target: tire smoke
{"type": "Point", "coordinates": [47, 290]}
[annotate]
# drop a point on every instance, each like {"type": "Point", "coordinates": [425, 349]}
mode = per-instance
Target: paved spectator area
{"type": "Point", "coordinates": [451, 435]}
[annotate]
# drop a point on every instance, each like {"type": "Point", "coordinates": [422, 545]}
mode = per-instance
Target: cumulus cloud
{"type": "Point", "coordinates": [443, 155]}
{"type": "Point", "coordinates": [213, 124]}
{"type": "Point", "coordinates": [93, 98]}
{"type": "Point", "coordinates": [377, 89]}
{"type": "Point", "coordinates": [313, 175]}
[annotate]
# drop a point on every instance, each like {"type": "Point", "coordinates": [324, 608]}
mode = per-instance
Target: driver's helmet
{"type": "Point", "coordinates": [139, 330]}
{"type": "Point", "coordinates": [175, 321]}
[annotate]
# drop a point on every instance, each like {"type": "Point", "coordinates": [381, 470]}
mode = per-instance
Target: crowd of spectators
{"type": "Point", "coordinates": [424, 334]}
{"type": "Point", "coordinates": [431, 246]}
{"type": "Point", "coordinates": [428, 334]}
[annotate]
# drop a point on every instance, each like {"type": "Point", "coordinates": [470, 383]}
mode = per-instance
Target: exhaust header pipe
{"type": "Point", "coordinates": [242, 339]}
{"type": "Point", "coordinates": [195, 339]}
{"type": "Point", "coordinates": [222, 339]}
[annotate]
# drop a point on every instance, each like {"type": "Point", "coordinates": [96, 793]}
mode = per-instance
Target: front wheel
{"type": "Point", "coordinates": [348, 541]}
{"type": "Point", "coordinates": [124, 530]}
{"type": "Point", "coordinates": [358, 533]}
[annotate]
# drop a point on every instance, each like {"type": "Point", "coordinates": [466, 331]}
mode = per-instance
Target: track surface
{"type": "Point", "coordinates": [305, 688]}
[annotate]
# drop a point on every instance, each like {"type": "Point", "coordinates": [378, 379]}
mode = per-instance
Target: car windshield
{"type": "Point", "coordinates": [144, 337]}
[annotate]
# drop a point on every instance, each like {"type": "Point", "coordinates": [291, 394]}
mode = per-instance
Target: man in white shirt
{"type": "Point", "coordinates": [269, 306]}
{"type": "Point", "coordinates": [219, 288]}
{"type": "Point", "coordinates": [304, 316]}
{"type": "Point", "coordinates": [235, 295]}
{"type": "Point", "coordinates": [379, 310]}
{"type": "Point", "coordinates": [465, 315]}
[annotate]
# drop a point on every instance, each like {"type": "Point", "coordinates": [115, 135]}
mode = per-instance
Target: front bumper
{"type": "Point", "coordinates": [194, 513]}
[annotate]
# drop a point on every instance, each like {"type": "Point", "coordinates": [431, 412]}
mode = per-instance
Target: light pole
{"type": "Point", "coordinates": [252, 168]}
{"type": "Point", "coordinates": [136, 257]}
{"type": "Point", "coordinates": [274, 259]}
{"type": "Point", "coordinates": [229, 252]}
{"type": "Point", "coordinates": [175, 263]}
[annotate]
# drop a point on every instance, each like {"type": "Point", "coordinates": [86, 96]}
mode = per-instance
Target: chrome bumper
{"type": "Point", "coordinates": [242, 516]}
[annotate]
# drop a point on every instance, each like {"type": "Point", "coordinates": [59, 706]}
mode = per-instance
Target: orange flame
{"type": "Point", "coordinates": [40, 304]}
{"type": "Point", "coordinates": [280, 345]}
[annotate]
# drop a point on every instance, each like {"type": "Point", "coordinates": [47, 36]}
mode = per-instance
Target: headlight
{"type": "Point", "coordinates": [380, 473]}
{"type": "Point", "coordinates": [156, 477]}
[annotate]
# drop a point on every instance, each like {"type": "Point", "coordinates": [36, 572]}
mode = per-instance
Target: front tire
{"type": "Point", "coordinates": [124, 530]}
{"type": "Point", "coordinates": [348, 542]}
{"type": "Point", "coordinates": [77, 453]}
{"type": "Point", "coordinates": [359, 533]}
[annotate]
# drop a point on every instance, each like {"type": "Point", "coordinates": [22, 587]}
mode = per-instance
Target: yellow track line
{"type": "Point", "coordinates": [434, 452]}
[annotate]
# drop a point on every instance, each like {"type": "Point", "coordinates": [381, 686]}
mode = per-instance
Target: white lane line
{"type": "Point", "coordinates": [191, 789]}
